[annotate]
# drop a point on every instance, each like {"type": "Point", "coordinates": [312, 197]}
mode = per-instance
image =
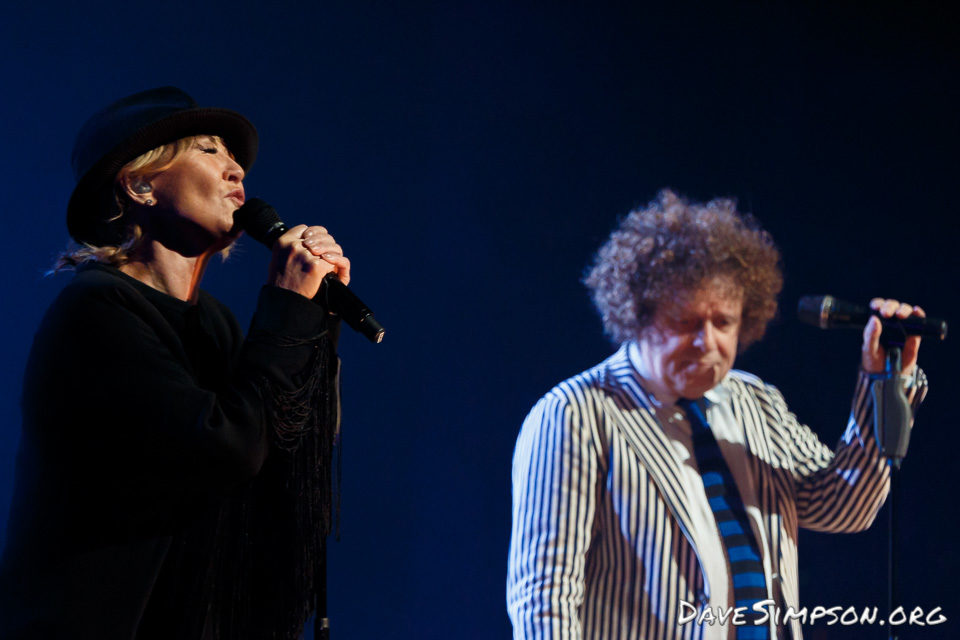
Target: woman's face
{"type": "Point", "coordinates": [195, 199]}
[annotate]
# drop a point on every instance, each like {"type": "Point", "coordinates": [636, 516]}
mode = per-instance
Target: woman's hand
{"type": "Point", "coordinates": [873, 358]}
{"type": "Point", "coordinates": [302, 256]}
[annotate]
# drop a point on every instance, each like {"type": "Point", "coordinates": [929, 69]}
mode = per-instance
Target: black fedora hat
{"type": "Point", "coordinates": [129, 127]}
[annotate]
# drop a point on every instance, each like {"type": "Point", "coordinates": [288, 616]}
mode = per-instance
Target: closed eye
{"type": "Point", "coordinates": [686, 324]}
{"type": "Point", "coordinates": [725, 323]}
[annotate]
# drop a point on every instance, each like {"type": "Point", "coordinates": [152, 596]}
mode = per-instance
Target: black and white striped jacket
{"type": "Point", "coordinates": [600, 545]}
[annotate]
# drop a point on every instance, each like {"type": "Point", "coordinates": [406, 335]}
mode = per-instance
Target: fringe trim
{"type": "Point", "coordinates": [271, 540]}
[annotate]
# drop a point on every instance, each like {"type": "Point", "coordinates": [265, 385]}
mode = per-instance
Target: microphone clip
{"type": "Point", "coordinates": [892, 414]}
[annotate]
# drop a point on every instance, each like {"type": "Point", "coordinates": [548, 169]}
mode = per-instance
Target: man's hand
{"type": "Point", "coordinates": [873, 358]}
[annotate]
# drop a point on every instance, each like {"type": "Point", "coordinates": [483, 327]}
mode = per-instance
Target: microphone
{"type": "Point", "coordinates": [827, 312]}
{"type": "Point", "coordinates": [262, 223]}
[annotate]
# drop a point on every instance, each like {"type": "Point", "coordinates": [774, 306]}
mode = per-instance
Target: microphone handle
{"type": "Point", "coordinates": [857, 317]}
{"type": "Point", "coordinates": [828, 312]}
{"type": "Point", "coordinates": [337, 297]}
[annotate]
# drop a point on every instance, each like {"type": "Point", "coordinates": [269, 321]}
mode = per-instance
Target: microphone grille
{"type": "Point", "coordinates": [259, 220]}
{"type": "Point", "coordinates": [815, 310]}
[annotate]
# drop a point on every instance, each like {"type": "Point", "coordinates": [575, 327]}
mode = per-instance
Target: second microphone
{"type": "Point", "coordinates": [263, 224]}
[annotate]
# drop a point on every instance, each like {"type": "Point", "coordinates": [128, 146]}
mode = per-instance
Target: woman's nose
{"type": "Point", "coordinates": [233, 172]}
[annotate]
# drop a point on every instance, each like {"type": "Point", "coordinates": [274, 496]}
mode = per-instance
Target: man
{"type": "Point", "coordinates": [661, 481]}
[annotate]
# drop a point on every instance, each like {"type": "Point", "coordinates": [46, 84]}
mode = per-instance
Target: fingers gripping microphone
{"type": "Point", "coordinates": [892, 413]}
{"type": "Point", "coordinates": [262, 223]}
{"type": "Point", "coordinates": [827, 312]}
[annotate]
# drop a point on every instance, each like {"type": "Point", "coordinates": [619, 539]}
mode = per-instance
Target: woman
{"type": "Point", "coordinates": [173, 477]}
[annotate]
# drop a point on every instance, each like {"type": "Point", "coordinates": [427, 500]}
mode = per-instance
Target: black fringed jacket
{"type": "Point", "coordinates": [173, 478]}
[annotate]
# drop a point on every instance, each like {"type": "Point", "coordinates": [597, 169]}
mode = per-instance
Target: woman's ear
{"type": "Point", "coordinates": [139, 190]}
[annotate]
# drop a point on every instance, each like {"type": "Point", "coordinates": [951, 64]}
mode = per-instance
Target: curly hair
{"type": "Point", "coordinates": [675, 246]}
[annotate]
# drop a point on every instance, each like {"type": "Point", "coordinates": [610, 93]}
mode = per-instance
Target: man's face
{"type": "Point", "coordinates": [693, 341]}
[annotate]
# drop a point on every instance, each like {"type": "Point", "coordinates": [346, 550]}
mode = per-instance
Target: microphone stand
{"type": "Point", "coordinates": [321, 623]}
{"type": "Point", "coordinates": [891, 421]}
{"type": "Point", "coordinates": [892, 550]}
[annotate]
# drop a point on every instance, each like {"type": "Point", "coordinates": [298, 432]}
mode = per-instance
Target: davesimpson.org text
{"type": "Point", "coordinates": [844, 616]}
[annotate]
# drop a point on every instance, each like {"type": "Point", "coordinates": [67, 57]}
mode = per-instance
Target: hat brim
{"type": "Point", "coordinates": [87, 219]}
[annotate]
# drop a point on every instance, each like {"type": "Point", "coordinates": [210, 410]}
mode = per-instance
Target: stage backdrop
{"type": "Point", "coordinates": [470, 157]}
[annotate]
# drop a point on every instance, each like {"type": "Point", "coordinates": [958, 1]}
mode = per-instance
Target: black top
{"type": "Point", "coordinates": [146, 421]}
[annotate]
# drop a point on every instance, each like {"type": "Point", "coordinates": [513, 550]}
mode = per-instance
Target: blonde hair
{"type": "Point", "coordinates": [145, 166]}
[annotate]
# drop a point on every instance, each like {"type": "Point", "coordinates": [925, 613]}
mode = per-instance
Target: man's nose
{"type": "Point", "coordinates": [706, 338]}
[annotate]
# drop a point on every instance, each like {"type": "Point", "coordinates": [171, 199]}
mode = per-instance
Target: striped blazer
{"type": "Point", "coordinates": [600, 544]}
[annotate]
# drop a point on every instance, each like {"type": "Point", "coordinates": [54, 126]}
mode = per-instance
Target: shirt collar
{"type": "Point", "coordinates": [719, 394]}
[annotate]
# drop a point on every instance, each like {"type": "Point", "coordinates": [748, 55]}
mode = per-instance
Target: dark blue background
{"type": "Point", "coordinates": [471, 157]}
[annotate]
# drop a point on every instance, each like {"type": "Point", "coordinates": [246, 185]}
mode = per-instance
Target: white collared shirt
{"type": "Point", "coordinates": [731, 438]}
